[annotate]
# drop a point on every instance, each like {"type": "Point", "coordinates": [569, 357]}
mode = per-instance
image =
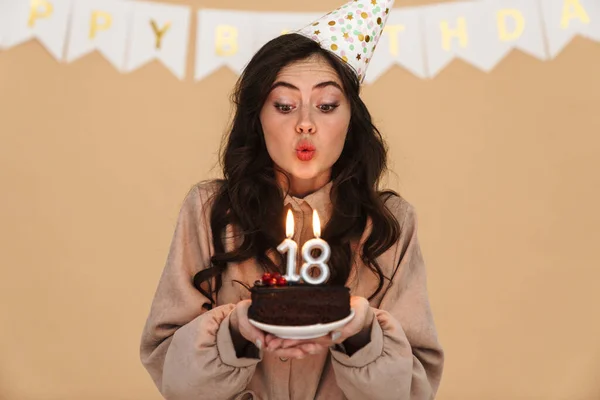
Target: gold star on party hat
{"type": "Point", "coordinates": [351, 31]}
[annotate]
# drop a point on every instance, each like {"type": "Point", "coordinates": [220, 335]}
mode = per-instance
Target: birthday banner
{"type": "Point", "coordinates": [422, 40]}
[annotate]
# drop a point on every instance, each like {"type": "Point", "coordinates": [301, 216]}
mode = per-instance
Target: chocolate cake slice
{"type": "Point", "coordinates": [299, 304]}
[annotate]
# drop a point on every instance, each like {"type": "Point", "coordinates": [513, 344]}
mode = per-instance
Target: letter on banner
{"type": "Point", "coordinates": [460, 32]}
{"type": "Point", "coordinates": [392, 31]}
{"type": "Point", "coordinates": [226, 40]}
{"type": "Point", "coordinates": [503, 32]}
{"type": "Point", "coordinates": [35, 13]}
{"type": "Point", "coordinates": [573, 9]}
{"type": "Point", "coordinates": [96, 25]}
{"type": "Point", "coordinates": [159, 32]}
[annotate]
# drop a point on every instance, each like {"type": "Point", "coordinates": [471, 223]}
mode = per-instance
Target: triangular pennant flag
{"type": "Point", "coordinates": [564, 19]}
{"type": "Point", "coordinates": [159, 32]}
{"type": "Point", "coordinates": [224, 38]}
{"type": "Point", "coordinates": [401, 43]}
{"type": "Point", "coordinates": [45, 20]}
{"type": "Point", "coordinates": [100, 25]}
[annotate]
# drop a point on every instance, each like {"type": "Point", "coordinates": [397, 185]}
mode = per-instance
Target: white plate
{"type": "Point", "coordinates": [302, 332]}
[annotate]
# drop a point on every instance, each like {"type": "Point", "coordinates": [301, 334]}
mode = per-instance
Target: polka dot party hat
{"type": "Point", "coordinates": [352, 31]}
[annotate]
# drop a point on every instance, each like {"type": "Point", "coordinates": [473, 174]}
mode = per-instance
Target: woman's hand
{"type": "Point", "coordinates": [241, 328]}
{"type": "Point", "coordinates": [355, 334]}
{"type": "Point", "coordinates": [291, 348]}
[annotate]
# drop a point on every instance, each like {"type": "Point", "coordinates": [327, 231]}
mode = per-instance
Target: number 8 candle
{"type": "Point", "coordinates": [319, 262]}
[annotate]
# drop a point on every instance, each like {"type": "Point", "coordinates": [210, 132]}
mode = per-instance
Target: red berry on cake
{"type": "Point", "coordinates": [281, 281]}
{"type": "Point", "coordinates": [272, 282]}
{"type": "Point", "coordinates": [266, 278]}
{"type": "Point", "coordinates": [276, 275]}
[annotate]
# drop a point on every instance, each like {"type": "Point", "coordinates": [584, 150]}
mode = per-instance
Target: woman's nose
{"type": "Point", "coordinates": [305, 124]}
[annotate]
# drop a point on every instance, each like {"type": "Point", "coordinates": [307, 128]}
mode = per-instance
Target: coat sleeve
{"type": "Point", "coordinates": [403, 360]}
{"type": "Point", "coordinates": [187, 350]}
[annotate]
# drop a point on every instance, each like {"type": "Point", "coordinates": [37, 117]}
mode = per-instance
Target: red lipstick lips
{"type": "Point", "coordinates": [305, 151]}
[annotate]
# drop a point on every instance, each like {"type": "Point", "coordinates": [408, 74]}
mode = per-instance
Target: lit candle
{"type": "Point", "coordinates": [321, 261]}
{"type": "Point", "coordinates": [289, 246]}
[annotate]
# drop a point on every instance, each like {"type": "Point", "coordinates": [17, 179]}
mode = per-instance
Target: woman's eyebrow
{"type": "Point", "coordinates": [317, 86]}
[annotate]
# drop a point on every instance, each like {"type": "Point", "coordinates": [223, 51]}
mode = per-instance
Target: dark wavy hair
{"type": "Point", "coordinates": [250, 199]}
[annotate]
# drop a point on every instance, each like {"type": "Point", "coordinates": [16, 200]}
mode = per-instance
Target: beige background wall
{"type": "Point", "coordinates": [503, 169]}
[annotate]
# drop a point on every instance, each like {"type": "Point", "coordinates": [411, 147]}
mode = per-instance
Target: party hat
{"type": "Point", "coordinates": [352, 31]}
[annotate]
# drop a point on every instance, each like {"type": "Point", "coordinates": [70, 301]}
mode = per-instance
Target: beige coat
{"type": "Point", "coordinates": [189, 353]}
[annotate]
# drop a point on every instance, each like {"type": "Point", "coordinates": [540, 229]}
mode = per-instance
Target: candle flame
{"type": "Point", "coordinates": [289, 225]}
{"type": "Point", "coordinates": [316, 224]}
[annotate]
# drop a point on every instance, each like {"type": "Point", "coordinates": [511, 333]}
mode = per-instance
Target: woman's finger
{"type": "Point", "coordinates": [274, 344]}
{"type": "Point", "coordinates": [293, 342]}
{"type": "Point", "coordinates": [323, 341]}
{"type": "Point", "coordinates": [312, 348]}
{"type": "Point", "coordinates": [268, 338]}
{"type": "Point", "coordinates": [294, 352]}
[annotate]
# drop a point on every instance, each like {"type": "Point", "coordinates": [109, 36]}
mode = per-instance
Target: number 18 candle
{"type": "Point", "coordinates": [291, 248]}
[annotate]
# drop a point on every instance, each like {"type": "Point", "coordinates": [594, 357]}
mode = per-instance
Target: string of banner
{"type": "Point", "coordinates": [423, 40]}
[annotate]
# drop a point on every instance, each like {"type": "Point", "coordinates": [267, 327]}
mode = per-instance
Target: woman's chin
{"type": "Point", "coordinates": [304, 174]}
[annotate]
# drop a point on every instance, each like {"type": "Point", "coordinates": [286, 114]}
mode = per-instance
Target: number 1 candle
{"type": "Point", "coordinates": [289, 246]}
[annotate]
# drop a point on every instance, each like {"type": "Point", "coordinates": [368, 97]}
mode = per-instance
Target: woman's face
{"type": "Point", "coordinates": [305, 121]}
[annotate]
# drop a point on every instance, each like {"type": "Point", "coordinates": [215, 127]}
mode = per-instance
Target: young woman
{"type": "Point", "coordinates": [301, 139]}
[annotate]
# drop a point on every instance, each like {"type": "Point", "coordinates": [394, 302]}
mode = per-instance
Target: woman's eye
{"type": "Point", "coordinates": [284, 108]}
{"type": "Point", "coordinates": [328, 107]}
